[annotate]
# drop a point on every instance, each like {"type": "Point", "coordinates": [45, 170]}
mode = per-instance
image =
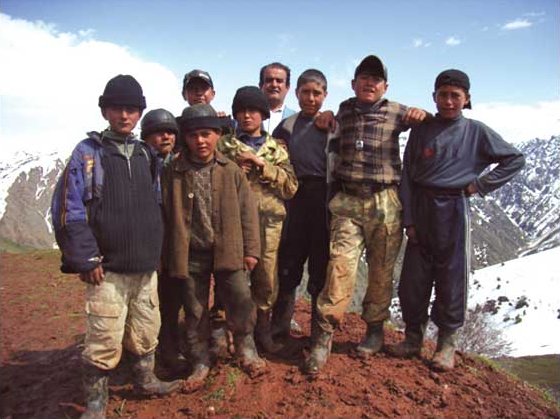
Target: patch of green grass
{"type": "Point", "coordinates": [232, 376]}
{"type": "Point", "coordinates": [9, 246]}
{"type": "Point", "coordinates": [541, 371]}
{"type": "Point", "coordinates": [216, 395]}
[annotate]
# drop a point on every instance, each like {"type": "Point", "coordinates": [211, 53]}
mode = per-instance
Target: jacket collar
{"type": "Point", "coordinates": [183, 164]}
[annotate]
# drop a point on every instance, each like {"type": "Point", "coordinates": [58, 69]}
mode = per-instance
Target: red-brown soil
{"type": "Point", "coordinates": [42, 326]}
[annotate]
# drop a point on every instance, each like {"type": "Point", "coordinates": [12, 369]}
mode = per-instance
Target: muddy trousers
{"type": "Point", "coordinates": [374, 223]}
{"type": "Point", "coordinates": [305, 237]}
{"type": "Point", "coordinates": [123, 311]}
{"type": "Point", "coordinates": [439, 260]}
{"type": "Point", "coordinates": [234, 292]}
{"type": "Point", "coordinates": [264, 278]}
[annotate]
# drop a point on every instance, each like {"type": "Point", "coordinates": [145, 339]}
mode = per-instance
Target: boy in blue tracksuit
{"type": "Point", "coordinates": [109, 229]}
{"type": "Point", "coordinates": [443, 162]}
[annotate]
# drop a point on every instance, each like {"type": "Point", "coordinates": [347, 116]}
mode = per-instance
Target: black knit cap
{"type": "Point", "coordinates": [372, 65]}
{"type": "Point", "coordinates": [199, 116]}
{"type": "Point", "coordinates": [250, 97]}
{"type": "Point", "coordinates": [455, 78]}
{"type": "Point", "coordinates": [123, 90]}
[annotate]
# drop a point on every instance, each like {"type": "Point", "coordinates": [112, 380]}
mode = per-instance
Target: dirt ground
{"type": "Point", "coordinates": [42, 327]}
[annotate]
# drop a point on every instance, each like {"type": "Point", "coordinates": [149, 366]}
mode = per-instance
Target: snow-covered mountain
{"type": "Point", "coordinates": [521, 299]}
{"type": "Point", "coordinates": [532, 199]}
{"type": "Point", "coordinates": [26, 185]}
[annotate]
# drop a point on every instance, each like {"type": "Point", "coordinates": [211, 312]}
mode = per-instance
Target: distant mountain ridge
{"type": "Point", "coordinates": [522, 217]}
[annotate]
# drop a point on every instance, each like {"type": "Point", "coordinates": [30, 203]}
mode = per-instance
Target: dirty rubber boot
{"type": "Point", "coordinates": [444, 357]}
{"type": "Point", "coordinates": [319, 353]}
{"type": "Point", "coordinates": [373, 341]}
{"type": "Point", "coordinates": [247, 355]}
{"type": "Point", "coordinates": [146, 382]}
{"type": "Point", "coordinates": [95, 382]}
{"type": "Point", "coordinates": [281, 322]}
{"type": "Point", "coordinates": [411, 346]}
{"type": "Point", "coordinates": [199, 356]}
{"type": "Point", "coordinates": [263, 335]}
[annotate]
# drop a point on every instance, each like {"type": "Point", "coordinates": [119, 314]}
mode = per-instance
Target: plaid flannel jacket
{"type": "Point", "coordinates": [369, 142]}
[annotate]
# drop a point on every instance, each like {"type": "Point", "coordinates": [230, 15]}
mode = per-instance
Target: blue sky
{"type": "Point", "coordinates": [63, 52]}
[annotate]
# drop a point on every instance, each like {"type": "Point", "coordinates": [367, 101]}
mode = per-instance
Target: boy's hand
{"type": "Point", "coordinates": [94, 277]}
{"type": "Point", "coordinates": [247, 160]}
{"type": "Point", "coordinates": [471, 189]}
{"type": "Point", "coordinates": [414, 116]}
{"type": "Point", "coordinates": [325, 121]}
{"type": "Point", "coordinates": [250, 262]}
{"type": "Point", "coordinates": [411, 234]}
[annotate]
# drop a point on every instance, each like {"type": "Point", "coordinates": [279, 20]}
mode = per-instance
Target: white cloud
{"type": "Point", "coordinates": [50, 83]}
{"type": "Point", "coordinates": [452, 41]}
{"type": "Point", "coordinates": [517, 24]}
{"type": "Point", "coordinates": [419, 42]}
{"type": "Point", "coordinates": [516, 123]}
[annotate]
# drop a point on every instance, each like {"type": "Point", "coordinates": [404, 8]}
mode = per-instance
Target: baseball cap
{"type": "Point", "coordinates": [372, 65]}
{"type": "Point", "coordinates": [197, 74]}
{"type": "Point", "coordinates": [453, 77]}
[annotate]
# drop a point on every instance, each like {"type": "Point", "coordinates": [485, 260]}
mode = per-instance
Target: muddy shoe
{"type": "Point", "coordinates": [263, 334]}
{"type": "Point", "coordinates": [319, 353]}
{"type": "Point", "coordinates": [373, 341]}
{"type": "Point", "coordinates": [196, 379]}
{"type": "Point", "coordinates": [146, 382]}
{"type": "Point", "coordinates": [444, 357]}
{"type": "Point", "coordinates": [247, 356]}
{"type": "Point", "coordinates": [411, 346]}
{"type": "Point", "coordinates": [96, 388]}
{"type": "Point", "coordinates": [281, 322]}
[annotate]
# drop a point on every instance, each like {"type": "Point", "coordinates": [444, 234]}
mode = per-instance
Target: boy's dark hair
{"type": "Point", "coordinates": [274, 65]}
{"type": "Point", "coordinates": [312, 75]}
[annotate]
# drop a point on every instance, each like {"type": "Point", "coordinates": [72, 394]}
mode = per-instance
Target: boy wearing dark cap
{"type": "Point", "coordinates": [273, 181]}
{"type": "Point", "coordinates": [443, 162]}
{"type": "Point", "coordinates": [366, 211]}
{"type": "Point", "coordinates": [160, 131]}
{"type": "Point", "coordinates": [211, 227]}
{"type": "Point", "coordinates": [198, 87]}
{"type": "Point", "coordinates": [108, 227]}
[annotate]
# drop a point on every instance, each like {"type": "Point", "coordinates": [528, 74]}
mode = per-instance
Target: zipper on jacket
{"type": "Point", "coordinates": [127, 157]}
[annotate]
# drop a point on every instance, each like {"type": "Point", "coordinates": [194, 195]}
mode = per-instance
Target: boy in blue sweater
{"type": "Point", "coordinates": [443, 162]}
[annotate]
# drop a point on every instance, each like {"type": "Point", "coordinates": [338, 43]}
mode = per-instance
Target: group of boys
{"type": "Point", "coordinates": [204, 200]}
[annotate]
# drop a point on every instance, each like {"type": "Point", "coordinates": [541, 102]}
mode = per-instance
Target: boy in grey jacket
{"type": "Point", "coordinates": [443, 162]}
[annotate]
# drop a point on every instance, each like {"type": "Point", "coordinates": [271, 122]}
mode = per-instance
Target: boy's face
{"type": "Point", "coordinates": [250, 121]}
{"type": "Point", "coordinates": [311, 96]}
{"type": "Point", "coordinates": [198, 91]}
{"type": "Point", "coordinates": [162, 141]}
{"type": "Point", "coordinates": [122, 119]}
{"type": "Point", "coordinates": [369, 88]}
{"type": "Point", "coordinates": [274, 85]}
{"type": "Point", "coordinates": [202, 143]}
{"type": "Point", "coordinates": [450, 101]}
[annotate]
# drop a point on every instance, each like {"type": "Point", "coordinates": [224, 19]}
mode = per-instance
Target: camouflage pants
{"type": "Point", "coordinates": [375, 223]}
{"type": "Point", "coordinates": [264, 278]}
{"type": "Point", "coordinates": [122, 311]}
